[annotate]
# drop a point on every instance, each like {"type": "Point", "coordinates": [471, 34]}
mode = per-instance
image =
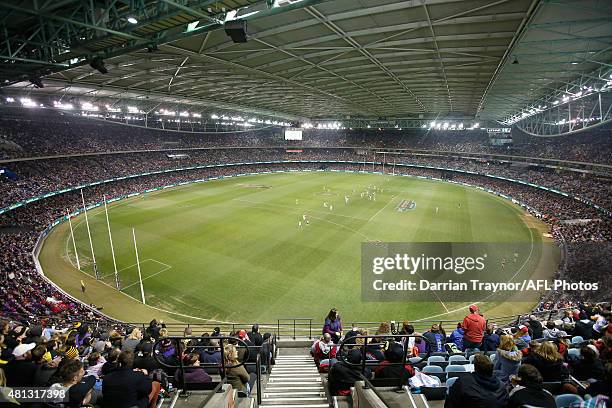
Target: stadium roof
{"type": "Point", "coordinates": [308, 58]}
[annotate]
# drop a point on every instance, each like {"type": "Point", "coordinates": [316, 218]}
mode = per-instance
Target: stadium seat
{"type": "Point", "coordinates": [564, 400]}
{"type": "Point", "coordinates": [573, 353]}
{"type": "Point", "coordinates": [458, 360]}
{"type": "Point", "coordinates": [438, 361]}
{"type": "Point", "coordinates": [449, 383]}
{"type": "Point", "coordinates": [577, 340]}
{"type": "Point", "coordinates": [456, 371]}
{"type": "Point", "coordinates": [432, 369]}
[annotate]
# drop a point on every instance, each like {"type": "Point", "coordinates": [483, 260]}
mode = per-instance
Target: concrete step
{"type": "Point", "coordinates": [296, 405]}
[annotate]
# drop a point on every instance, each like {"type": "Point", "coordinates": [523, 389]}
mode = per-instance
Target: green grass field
{"type": "Point", "coordinates": [231, 250]}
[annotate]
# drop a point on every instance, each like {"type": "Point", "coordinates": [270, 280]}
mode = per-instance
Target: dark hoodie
{"type": "Point", "coordinates": [477, 391]}
{"type": "Point", "coordinates": [391, 367]}
{"type": "Point", "coordinates": [342, 375]}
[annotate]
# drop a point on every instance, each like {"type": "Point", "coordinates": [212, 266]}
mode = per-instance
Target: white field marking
{"type": "Point", "coordinates": [166, 267]}
{"type": "Point", "coordinates": [488, 296]}
{"type": "Point", "coordinates": [133, 265]}
{"type": "Point", "coordinates": [385, 206]}
{"type": "Point", "coordinates": [289, 207]}
{"type": "Point", "coordinates": [342, 226]}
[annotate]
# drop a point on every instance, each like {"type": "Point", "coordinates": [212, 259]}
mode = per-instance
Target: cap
{"type": "Point", "coordinates": [524, 329]}
{"type": "Point", "coordinates": [76, 325]}
{"type": "Point", "coordinates": [242, 334]}
{"type": "Point", "coordinates": [78, 392]}
{"type": "Point", "coordinates": [166, 343]}
{"type": "Point", "coordinates": [21, 349]}
{"type": "Point", "coordinates": [473, 308]}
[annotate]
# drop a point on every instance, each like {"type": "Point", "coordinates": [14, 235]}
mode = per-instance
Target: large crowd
{"type": "Point", "coordinates": [21, 136]}
{"type": "Point", "coordinates": [476, 362]}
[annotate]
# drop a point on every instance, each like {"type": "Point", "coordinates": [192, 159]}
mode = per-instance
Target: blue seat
{"type": "Point", "coordinates": [455, 368]}
{"type": "Point", "coordinates": [432, 369]}
{"type": "Point", "coordinates": [437, 361]}
{"type": "Point", "coordinates": [449, 383]}
{"type": "Point", "coordinates": [576, 340]}
{"type": "Point", "coordinates": [574, 353]}
{"type": "Point", "coordinates": [564, 400]}
{"type": "Point", "coordinates": [458, 360]}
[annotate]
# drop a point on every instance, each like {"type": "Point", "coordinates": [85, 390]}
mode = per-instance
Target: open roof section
{"type": "Point", "coordinates": [314, 59]}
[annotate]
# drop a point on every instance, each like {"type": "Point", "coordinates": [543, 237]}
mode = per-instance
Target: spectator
{"type": "Point", "coordinates": [211, 354]}
{"type": "Point", "coordinates": [95, 363]}
{"type": "Point", "coordinates": [508, 359]}
{"type": "Point", "coordinates": [20, 371]}
{"type": "Point", "coordinates": [194, 374]}
{"type": "Point", "coordinates": [588, 366]}
{"type": "Point", "coordinates": [255, 336]}
{"type": "Point", "coordinates": [237, 375]}
{"type": "Point", "coordinates": [536, 327]}
{"type": "Point", "coordinates": [474, 325]}
{"type": "Point", "coordinates": [134, 338]}
{"type": "Point", "coordinates": [490, 340]}
{"type": "Point", "coordinates": [552, 332]}
{"type": "Point", "coordinates": [125, 387]}
{"type": "Point", "coordinates": [457, 336]}
{"type": "Point", "coordinates": [527, 390]}
{"type": "Point", "coordinates": [392, 367]}
{"type": "Point", "coordinates": [435, 339]}
{"type": "Point", "coordinates": [324, 352]}
{"type": "Point", "coordinates": [600, 387]}
{"type": "Point", "coordinates": [548, 361]}
{"type": "Point", "coordinates": [343, 375]}
{"type": "Point", "coordinates": [68, 374]}
{"type": "Point", "coordinates": [144, 360]}
{"type": "Point", "coordinates": [478, 390]}
{"type": "Point", "coordinates": [333, 325]}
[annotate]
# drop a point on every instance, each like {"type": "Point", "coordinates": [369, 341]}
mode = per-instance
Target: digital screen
{"type": "Point", "coordinates": [293, 134]}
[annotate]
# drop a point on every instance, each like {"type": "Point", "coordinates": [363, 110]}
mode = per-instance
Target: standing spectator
{"type": "Point", "coordinates": [528, 390]}
{"type": "Point", "coordinates": [508, 358]}
{"type": "Point", "coordinates": [124, 387]}
{"type": "Point", "coordinates": [478, 390]}
{"type": "Point", "coordinates": [134, 338]}
{"type": "Point", "coordinates": [474, 325]}
{"type": "Point", "coordinates": [333, 325]}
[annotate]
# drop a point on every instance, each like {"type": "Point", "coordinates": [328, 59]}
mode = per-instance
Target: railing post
{"type": "Point", "coordinates": [278, 328]}
{"type": "Point", "coordinates": [258, 368]}
{"type": "Point", "coordinates": [294, 320]}
{"type": "Point", "coordinates": [309, 329]}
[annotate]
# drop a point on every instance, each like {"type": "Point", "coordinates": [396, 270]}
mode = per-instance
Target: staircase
{"type": "Point", "coordinates": [294, 383]}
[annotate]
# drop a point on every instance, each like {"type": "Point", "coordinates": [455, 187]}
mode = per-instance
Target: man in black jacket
{"type": "Point", "coordinates": [255, 336]}
{"type": "Point", "coordinates": [479, 390]}
{"type": "Point", "coordinates": [536, 328]}
{"type": "Point", "coordinates": [124, 387]}
{"type": "Point", "coordinates": [21, 370]}
{"type": "Point", "coordinates": [342, 375]}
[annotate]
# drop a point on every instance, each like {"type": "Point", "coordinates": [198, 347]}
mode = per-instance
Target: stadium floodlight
{"type": "Point", "coordinates": [555, 102]}
{"type": "Point", "coordinates": [460, 126]}
{"type": "Point", "coordinates": [213, 116]}
{"type": "Point", "coordinates": [132, 20]}
{"type": "Point", "coordinates": [432, 124]}
{"type": "Point", "coordinates": [184, 114]}
{"type": "Point", "coordinates": [476, 125]}
{"type": "Point", "coordinates": [445, 125]}
{"type": "Point", "coordinates": [27, 103]}
{"type": "Point", "coordinates": [196, 115]}
{"type": "Point", "coordinates": [9, 99]}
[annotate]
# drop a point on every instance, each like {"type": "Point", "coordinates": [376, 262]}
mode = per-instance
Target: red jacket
{"type": "Point", "coordinates": [474, 326]}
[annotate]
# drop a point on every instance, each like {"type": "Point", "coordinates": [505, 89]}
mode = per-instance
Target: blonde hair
{"type": "Point", "coordinates": [136, 334]}
{"type": "Point", "coordinates": [384, 328]}
{"type": "Point", "coordinates": [548, 351]}
{"type": "Point", "coordinates": [163, 332]}
{"type": "Point", "coordinates": [231, 354]}
{"type": "Point", "coordinates": [506, 343]}
{"type": "Point", "coordinates": [2, 378]}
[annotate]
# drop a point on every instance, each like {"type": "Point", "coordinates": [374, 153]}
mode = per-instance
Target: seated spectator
{"type": "Point", "coordinates": [478, 390]}
{"type": "Point", "coordinates": [343, 375]}
{"type": "Point", "coordinates": [435, 340]}
{"type": "Point", "coordinates": [456, 336]}
{"type": "Point", "coordinates": [125, 387]}
{"type": "Point", "coordinates": [490, 340]}
{"type": "Point", "coordinates": [255, 336]}
{"type": "Point", "coordinates": [391, 366]}
{"type": "Point", "coordinates": [45, 369]}
{"type": "Point", "coordinates": [95, 363]}
{"type": "Point", "coordinates": [552, 332]}
{"type": "Point", "coordinates": [474, 325]}
{"type": "Point", "coordinates": [333, 325]}
{"type": "Point", "coordinates": [134, 338]}
{"type": "Point", "coordinates": [522, 337]}
{"type": "Point", "coordinates": [81, 394]}
{"type": "Point", "coordinates": [236, 374]}
{"type": "Point", "coordinates": [145, 360]}
{"type": "Point", "coordinates": [211, 354]}
{"type": "Point", "coordinates": [324, 352]}
{"type": "Point", "coordinates": [527, 390]}
{"type": "Point", "coordinates": [588, 366]}
{"type": "Point", "coordinates": [194, 374]}
{"type": "Point", "coordinates": [508, 359]}
{"type": "Point", "coordinates": [20, 371]}
{"type": "Point", "coordinates": [599, 387]}
{"type": "Point", "coordinates": [536, 327]}
{"type": "Point", "coordinates": [548, 361]}
{"type": "Point", "coordinates": [111, 361]}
